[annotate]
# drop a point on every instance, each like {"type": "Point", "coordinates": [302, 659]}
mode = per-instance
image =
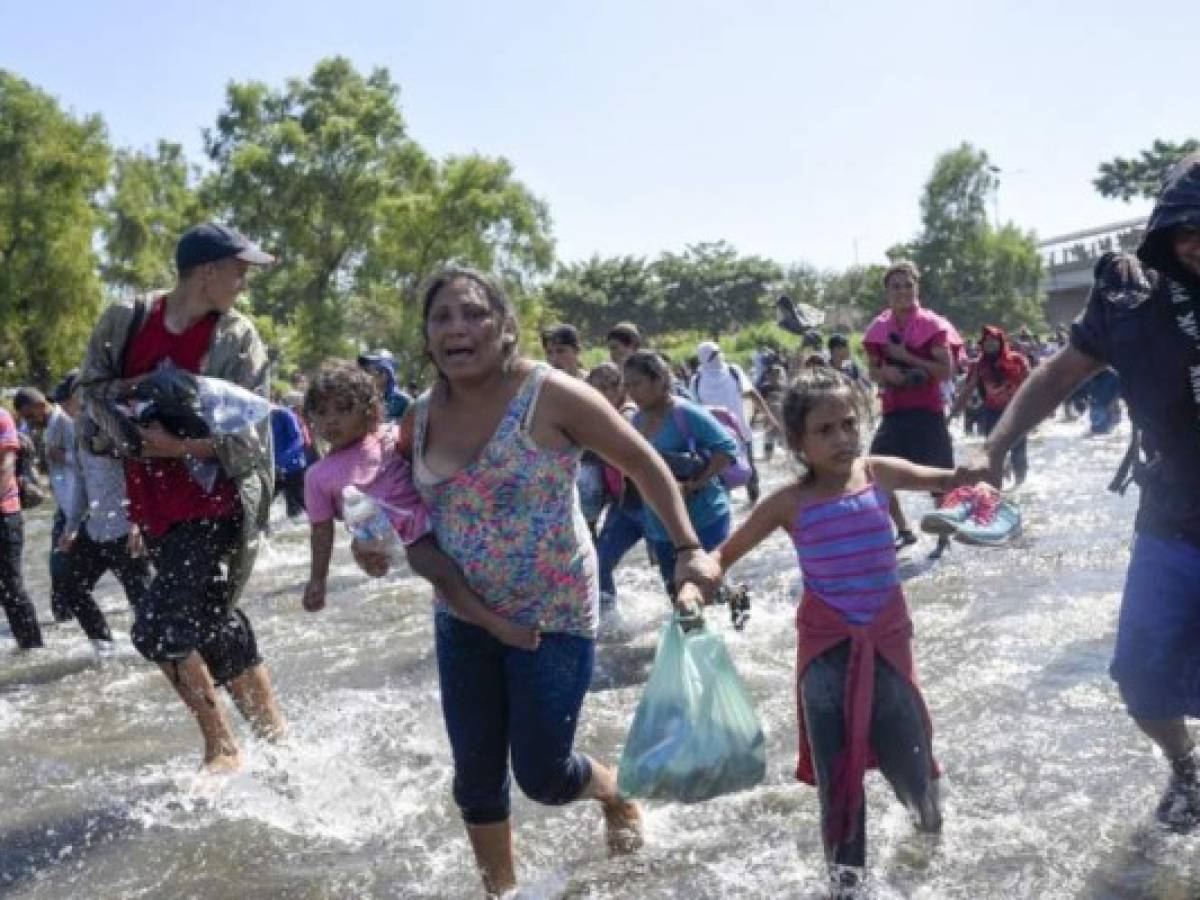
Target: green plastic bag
{"type": "Point", "coordinates": [695, 734]}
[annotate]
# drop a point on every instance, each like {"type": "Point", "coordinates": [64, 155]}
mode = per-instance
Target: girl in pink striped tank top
{"type": "Point", "coordinates": [858, 701]}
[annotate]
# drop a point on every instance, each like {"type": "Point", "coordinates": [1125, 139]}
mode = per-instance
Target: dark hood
{"type": "Point", "coordinates": [994, 331]}
{"type": "Point", "coordinates": [1178, 204]}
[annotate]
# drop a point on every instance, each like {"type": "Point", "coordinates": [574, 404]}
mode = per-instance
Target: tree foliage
{"type": "Point", "coordinates": [466, 209]}
{"type": "Point", "coordinates": [971, 271]}
{"type": "Point", "coordinates": [305, 170]}
{"type": "Point", "coordinates": [52, 168]}
{"type": "Point", "coordinates": [1143, 175]}
{"type": "Point", "coordinates": [153, 199]}
{"type": "Point", "coordinates": [324, 173]}
{"type": "Point", "coordinates": [712, 288]}
{"type": "Point", "coordinates": [596, 294]}
{"type": "Point", "coordinates": [708, 287]}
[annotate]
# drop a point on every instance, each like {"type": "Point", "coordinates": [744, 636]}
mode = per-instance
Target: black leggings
{"type": "Point", "coordinates": [898, 737]}
{"type": "Point", "coordinates": [291, 485]}
{"type": "Point", "coordinates": [22, 616]}
{"type": "Point", "coordinates": [85, 563]}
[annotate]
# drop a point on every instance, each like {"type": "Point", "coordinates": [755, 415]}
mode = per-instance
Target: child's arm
{"type": "Point", "coordinates": [427, 560]}
{"type": "Point", "coordinates": [774, 512]}
{"type": "Point", "coordinates": [893, 474]}
{"type": "Point", "coordinates": [321, 545]}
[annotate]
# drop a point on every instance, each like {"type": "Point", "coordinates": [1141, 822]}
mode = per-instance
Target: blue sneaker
{"type": "Point", "coordinates": [952, 512]}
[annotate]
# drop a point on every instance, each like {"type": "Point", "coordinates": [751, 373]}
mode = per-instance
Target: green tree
{"type": "Point", "coordinates": [469, 210]}
{"type": "Point", "coordinates": [595, 295]}
{"type": "Point", "coordinates": [1143, 175]}
{"type": "Point", "coordinates": [858, 289]}
{"type": "Point", "coordinates": [324, 173]}
{"type": "Point", "coordinates": [153, 199]}
{"type": "Point", "coordinates": [52, 168]}
{"type": "Point", "coordinates": [711, 288]}
{"type": "Point", "coordinates": [804, 283]}
{"type": "Point", "coordinates": [971, 271]}
{"type": "Point", "coordinates": [305, 170]}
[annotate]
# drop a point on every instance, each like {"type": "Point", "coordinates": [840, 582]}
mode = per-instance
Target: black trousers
{"type": "Point", "coordinates": [85, 563]}
{"type": "Point", "coordinates": [190, 605]}
{"type": "Point", "coordinates": [898, 737]}
{"type": "Point", "coordinates": [291, 485]}
{"type": "Point", "coordinates": [22, 616]}
{"type": "Point", "coordinates": [59, 605]}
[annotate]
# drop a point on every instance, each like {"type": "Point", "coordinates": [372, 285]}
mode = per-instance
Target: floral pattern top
{"type": "Point", "coordinates": [511, 520]}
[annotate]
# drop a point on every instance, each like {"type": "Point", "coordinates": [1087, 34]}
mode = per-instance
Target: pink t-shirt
{"type": "Point", "coordinates": [10, 501]}
{"type": "Point", "coordinates": [376, 467]}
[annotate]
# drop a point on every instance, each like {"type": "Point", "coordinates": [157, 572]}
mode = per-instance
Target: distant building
{"type": "Point", "coordinates": [1068, 260]}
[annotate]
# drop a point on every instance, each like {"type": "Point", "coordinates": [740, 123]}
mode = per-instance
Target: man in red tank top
{"type": "Point", "coordinates": [195, 527]}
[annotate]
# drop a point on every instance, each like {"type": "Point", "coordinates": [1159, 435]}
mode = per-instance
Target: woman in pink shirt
{"type": "Point", "coordinates": [912, 352]}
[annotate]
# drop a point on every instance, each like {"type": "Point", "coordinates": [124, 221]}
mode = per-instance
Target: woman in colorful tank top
{"type": "Point", "coordinates": [855, 679]}
{"type": "Point", "coordinates": [495, 448]}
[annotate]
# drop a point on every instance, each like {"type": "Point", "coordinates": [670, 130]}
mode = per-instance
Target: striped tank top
{"type": "Point", "coordinates": [847, 554]}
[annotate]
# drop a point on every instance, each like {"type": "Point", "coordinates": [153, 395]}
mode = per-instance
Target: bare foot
{"type": "Point", "coordinates": [223, 762]}
{"type": "Point", "coordinates": [623, 827]}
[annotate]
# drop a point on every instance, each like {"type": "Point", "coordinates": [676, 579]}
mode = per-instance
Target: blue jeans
{"type": "Point", "coordinates": [710, 535]}
{"type": "Point", "coordinates": [499, 701]}
{"type": "Point", "coordinates": [618, 535]}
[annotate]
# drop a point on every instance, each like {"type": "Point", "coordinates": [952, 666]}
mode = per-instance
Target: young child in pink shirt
{"type": "Point", "coordinates": [347, 413]}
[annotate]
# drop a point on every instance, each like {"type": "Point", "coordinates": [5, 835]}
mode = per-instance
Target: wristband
{"type": "Point", "coordinates": [687, 548]}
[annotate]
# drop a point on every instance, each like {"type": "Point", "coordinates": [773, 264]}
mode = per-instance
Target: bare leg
{"type": "Point", "coordinates": [192, 681]}
{"type": "Point", "coordinates": [1170, 734]}
{"type": "Point", "coordinates": [622, 818]}
{"type": "Point", "coordinates": [255, 700]}
{"type": "Point", "coordinates": [493, 848]}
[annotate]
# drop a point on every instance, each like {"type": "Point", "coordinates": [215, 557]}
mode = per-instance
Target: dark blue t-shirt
{"type": "Point", "coordinates": [288, 441]}
{"type": "Point", "coordinates": [709, 436]}
{"type": "Point", "coordinates": [1154, 358]}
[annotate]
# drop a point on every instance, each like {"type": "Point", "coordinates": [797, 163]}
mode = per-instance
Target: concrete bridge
{"type": "Point", "coordinates": [1067, 262]}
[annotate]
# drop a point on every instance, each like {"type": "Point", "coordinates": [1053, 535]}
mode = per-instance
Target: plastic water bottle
{"type": "Point", "coordinates": [368, 523]}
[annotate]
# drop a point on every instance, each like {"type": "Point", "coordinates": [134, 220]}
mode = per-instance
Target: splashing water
{"type": "Point", "coordinates": [1048, 789]}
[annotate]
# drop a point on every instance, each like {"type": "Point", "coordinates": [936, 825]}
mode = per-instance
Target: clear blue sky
{"type": "Point", "coordinates": [795, 130]}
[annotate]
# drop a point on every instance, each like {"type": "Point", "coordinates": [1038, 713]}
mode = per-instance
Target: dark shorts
{"type": "Point", "coordinates": [189, 604]}
{"type": "Point", "coordinates": [917, 435]}
{"type": "Point", "coordinates": [1156, 663]}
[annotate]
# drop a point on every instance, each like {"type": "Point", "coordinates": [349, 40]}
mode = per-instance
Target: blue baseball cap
{"type": "Point", "coordinates": [212, 242]}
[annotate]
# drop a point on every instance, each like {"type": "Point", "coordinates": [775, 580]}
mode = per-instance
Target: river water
{"type": "Point", "coordinates": [1048, 791]}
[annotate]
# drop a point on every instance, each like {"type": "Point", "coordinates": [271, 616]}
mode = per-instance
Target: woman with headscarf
{"type": "Point", "coordinates": [723, 384]}
{"type": "Point", "coordinates": [996, 373]}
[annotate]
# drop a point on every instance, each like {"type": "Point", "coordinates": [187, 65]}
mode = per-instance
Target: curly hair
{"type": "Point", "coordinates": [342, 381]}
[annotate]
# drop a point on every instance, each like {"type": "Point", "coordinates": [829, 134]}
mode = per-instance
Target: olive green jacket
{"type": "Point", "coordinates": [236, 354]}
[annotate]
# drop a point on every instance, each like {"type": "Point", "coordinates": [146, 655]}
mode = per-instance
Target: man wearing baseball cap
{"type": "Point", "coordinates": [202, 533]}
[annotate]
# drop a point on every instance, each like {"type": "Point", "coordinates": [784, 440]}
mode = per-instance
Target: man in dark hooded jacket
{"type": "Point", "coordinates": [382, 367]}
{"type": "Point", "coordinates": [1143, 319]}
